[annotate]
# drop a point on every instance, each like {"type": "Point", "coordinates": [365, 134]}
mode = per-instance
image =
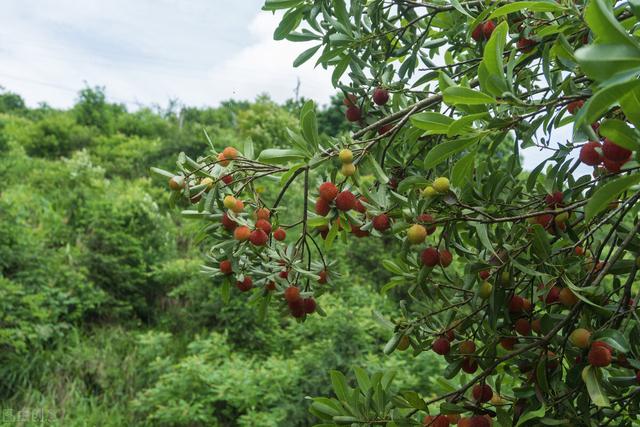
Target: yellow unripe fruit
{"type": "Point", "coordinates": [429, 191]}
{"type": "Point", "coordinates": [229, 202]}
{"type": "Point", "coordinates": [441, 185]}
{"type": "Point", "coordinates": [346, 155]}
{"type": "Point", "coordinates": [580, 338]}
{"type": "Point", "coordinates": [207, 181]}
{"type": "Point", "coordinates": [497, 400]}
{"type": "Point", "coordinates": [176, 183]}
{"type": "Point", "coordinates": [485, 290]}
{"type": "Point", "coordinates": [416, 234]}
{"type": "Point", "coordinates": [348, 169]}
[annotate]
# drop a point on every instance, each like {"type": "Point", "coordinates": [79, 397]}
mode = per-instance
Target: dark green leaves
{"type": "Point", "coordinates": [446, 149]}
{"type": "Point", "coordinates": [608, 193]}
{"type": "Point", "coordinates": [532, 6]}
{"type": "Point", "coordinates": [432, 122]}
{"type": "Point", "coordinates": [461, 95]}
{"type": "Point", "coordinates": [305, 56]}
{"type": "Point", "coordinates": [592, 379]}
{"type": "Point", "coordinates": [620, 133]}
{"type": "Point", "coordinates": [605, 26]}
{"type": "Point", "coordinates": [491, 70]}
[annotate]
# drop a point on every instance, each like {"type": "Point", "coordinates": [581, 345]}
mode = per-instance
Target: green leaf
{"type": "Point", "coordinates": [531, 6]}
{"type": "Point", "coordinates": [591, 377]}
{"type": "Point", "coordinates": [280, 4]}
{"type": "Point", "coordinates": [527, 416]}
{"type": "Point", "coordinates": [607, 193]}
{"type": "Point", "coordinates": [455, 95]}
{"type": "Point", "coordinates": [492, 64]}
{"type": "Point", "coordinates": [620, 133]}
{"type": "Point", "coordinates": [464, 124]}
{"type": "Point", "coordinates": [305, 56]}
{"type": "Point", "coordinates": [604, 60]}
{"type": "Point", "coordinates": [363, 379]}
{"type": "Point", "coordinates": [342, 14]}
{"type": "Point", "coordinates": [614, 338]}
{"type": "Point", "coordinates": [309, 124]}
{"type": "Point", "coordinates": [446, 149]}
{"type": "Point", "coordinates": [339, 383]}
{"type": "Point", "coordinates": [339, 70]}
{"type": "Point", "coordinates": [415, 400]}
{"type": "Point", "coordinates": [280, 155]}
{"type": "Point", "coordinates": [289, 22]}
{"type": "Point", "coordinates": [162, 172]}
{"type": "Point", "coordinates": [432, 122]}
{"type": "Point", "coordinates": [377, 170]}
{"type": "Point", "coordinates": [462, 171]}
{"type": "Point", "coordinates": [605, 26]}
{"type": "Point", "coordinates": [601, 101]}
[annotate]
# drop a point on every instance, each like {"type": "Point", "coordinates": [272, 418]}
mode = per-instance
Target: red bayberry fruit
{"type": "Point", "coordinates": [554, 199]}
{"type": "Point", "coordinates": [380, 96]}
{"type": "Point", "coordinates": [279, 234]}
{"type": "Point", "coordinates": [522, 326]}
{"type": "Point", "coordinates": [589, 155]}
{"type": "Point", "coordinates": [345, 201]}
{"type": "Point", "coordinates": [508, 343]}
{"type": "Point", "coordinates": [469, 365]}
{"type": "Point", "coordinates": [599, 356]}
{"type": "Point", "coordinates": [525, 45]}
{"type": "Point", "coordinates": [487, 29]}
{"type": "Point", "coordinates": [611, 166]}
{"type": "Point", "coordinates": [516, 304]}
{"type": "Point", "coordinates": [258, 237]}
{"type": "Point", "coordinates": [264, 225]}
{"type": "Point", "coordinates": [482, 393]}
{"type": "Point", "coordinates": [270, 286]}
{"type": "Point", "coordinates": [328, 191]}
{"type": "Point", "coordinates": [553, 295]}
{"type": "Point", "coordinates": [292, 293]}
{"type": "Point", "coordinates": [353, 114]}
{"type": "Point", "coordinates": [225, 267]}
{"type": "Point", "coordinates": [479, 421]}
{"type": "Point", "coordinates": [227, 179]}
{"type": "Point", "coordinates": [484, 274]}
{"type": "Point", "coordinates": [359, 206]}
{"type": "Point", "coordinates": [284, 274]}
{"type": "Point", "coordinates": [350, 100]}
{"type": "Point", "coordinates": [296, 308]}
{"type": "Point", "coordinates": [309, 305]}
{"type": "Point", "coordinates": [228, 223]}
{"type": "Point", "coordinates": [381, 222]}
{"type": "Point", "coordinates": [430, 257]}
{"type": "Point", "coordinates": [614, 152]}
{"type": "Point", "coordinates": [322, 207]}
{"type": "Point", "coordinates": [574, 106]}
{"type": "Point", "coordinates": [245, 284]}
{"type": "Point", "coordinates": [323, 277]}
{"type": "Point", "coordinates": [477, 34]}
{"type": "Point", "coordinates": [263, 213]}
{"type": "Point", "coordinates": [427, 220]}
{"type": "Point", "coordinates": [242, 233]}
{"type": "Point", "coordinates": [441, 346]}
{"type": "Point", "coordinates": [385, 128]}
{"type": "Point", "coordinates": [445, 258]}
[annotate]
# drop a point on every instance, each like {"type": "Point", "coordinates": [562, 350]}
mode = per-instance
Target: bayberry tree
{"type": "Point", "coordinates": [522, 280]}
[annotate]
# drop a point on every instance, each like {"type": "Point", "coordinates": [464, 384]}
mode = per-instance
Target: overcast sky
{"type": "Point", "coordinates": [149, 51]}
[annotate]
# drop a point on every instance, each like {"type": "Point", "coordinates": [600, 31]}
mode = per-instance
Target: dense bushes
{"type": "Point", "coordinates": [105, 318]}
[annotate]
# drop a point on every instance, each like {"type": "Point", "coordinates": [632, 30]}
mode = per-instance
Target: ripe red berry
{"type": "Point", "coordinates": [479, 421]}
{"type": "Point", "coordinates": [445, 258]}
{"type": "Point", "coordinates": [478, 34]}
{"type": "Point", "coordinates": [359, 206]}
{"type": "Point", "coordinates": [437, 421]}
{"type": "Point", "coordinates": [353, 114]}
{"type": "Point", "coordinates": [284, 274]}
{"type": "Point", "coordinates": [545, 220]}
{"type": "Point", "coordinates": [358, 232]}
{"type": "Point", "coordinates": [482, 393]}
{"type": "Point", "coordinates": [227, 179]}
{"type": "Point", "coordinates": [270, 286]}
{"type": "Point", "coordinates": [554, 199]}
{"type": "Point", "coordinates": [525, 45]}
{"type": "Point", "coordinates": [380, 96]}
{"type": "Point", "coordinates": [381, 222]}
{"type": "Point", "coordinates": [345, 201]}
{"type": "Point", "coordinates": [385, 128]}
{"type": "Point", "coordinates": [350, 100]}
{"type": "Point", "coordinates": [258, 237]}
{"type": "Point", "coordinates": [601, 344]}
{"type": "Point", "coordinates": [228, 223]}
{"type": "Point", "coordinates": [441, 346]}
{"type": "Point", "coordinates": [328, 191]}
{"type": "Point", "coordinates": [484, 274]}
{"type": "Point", "coordinates": [309, 305]}
{"type": "Point", "coordinates": [467, 347]}
{"type": "Point", "coordinates": [296, 308]}
{"type": "Point", "coordinates": [469, 365]}
{"type": "Point", "coordinates": [264, 225]}
{"type": "Point", "coordinates": [574, 106]}
{"type": "Point", "coordinates": [611, 166]}
{"type": "Point", "coordinates": [516, 304]}
{"type": "Point", "coordinates": [263, 213]}
{"type": "Point", "coordinates": [614, 152]}
{"type": "Point", "coordinates": [553, 295]}
{"type": "Point", "coordinates": [508, 343]}
{"type": "Point", "coordinates": [322, 207]}
{"type": "Point", "coordinates": [589, 155]}
{"type": "Point", "coordinates": [599, 356]}
{"type": "Point", "coordinates": [245, 284]}
{"type": "Point", "coordinates": [225, 267]}
{"type": "Point", "coordinates": [487, 29]}
{"type": "Point", "coordinates": [430, 257]}
{"type": "Point", "coordinates": [279, 234]}
{"type": "Point", "coordinates": [522, 326]}
{"type": "Point", "coordinates": [242, 233]}
{"type": "Point", "coordinates": [292, 293]}
{"type": "Point", "coordinates": [323, 277]}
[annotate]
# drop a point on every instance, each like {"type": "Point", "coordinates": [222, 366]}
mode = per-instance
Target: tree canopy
{"type": "Point", "coordinates": [524, 281]}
